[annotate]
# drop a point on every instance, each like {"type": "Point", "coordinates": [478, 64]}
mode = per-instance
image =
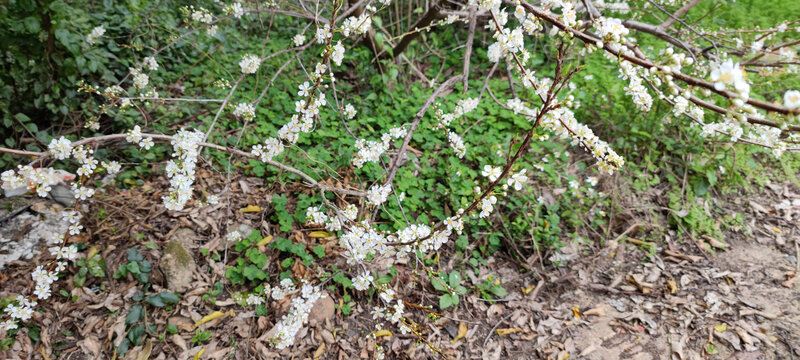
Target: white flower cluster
{"type": "Point", "coordinates": [349, 111]}
{"type": "Point", "coordinates": [250, 64]}
{"type": "Point", "coordinates": [377, 194]}
{"type": "Point", "coordinates": [299, 40]}
{"type": "Point", "coordinates": [637, 91]}
{"type": "Point", "coordinates": [727, 74]}
{"type": "Point", "coordinates": [60, 148]}
{"type": "Point", "coordinates": [356, 25]}
{"type": "Point", "coordinates": [201, 15]}
{"type": "Point", "coordinates": [791, 99]}
{"type": "Point", "coordinates": [272, 147]}
{"type": "Point", "coordinates": [88, 163]}
{"type": "Point", "coordinates": [517, 180]}
{"type": "Point", "coordinates": [112, 167]}
{"type": "Point", "coordinates": [487, 206]}
{"type": "Point", "coordinates": [443, 120]}
{"type": "Point", "coordinates": [317, 217]}
{"type": "Point", "coordinates": [360, 241]}
{"type": "Point", "coordinates": [562, 122]}
{"type": "Point", "coordinates": [236, 9]}
{"type": "Point", "coordinates": [492, 172]}
{"type": "Point", "coordinates": [150, 63]}
{"type": "Point", "coordinates": [292, 322]}
{"type": "Point", "coordinates": [371, 151]}
{"type": "Point", "coordinates": [245, 111]}
{"type": "Point", "coordinates": [611, 30]}
{"type": "Point", "coordinates": [22, 309]}
{"type": "Point", "coordinates": [323, 34]}
{"type": "Point", "coordinates": [180, 169]}
{"type": "Point", "coordinates": [337, 54]}
{"type": "Point", "coordinates": [457, 144]}
{"type": "Point", "coordinates": [140, 79]}
{"type": "Point", "coordinates": [96, 33]}
{"type": "Point", "coordinates": [306, 109]}
{"type": "Point", "coordinates": [363, 281]}
{"type": "Point", "coordinates": [675, 61]}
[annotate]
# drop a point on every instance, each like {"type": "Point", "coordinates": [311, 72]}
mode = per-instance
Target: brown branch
{"type": "Point", "coordinates": [433, 13]}
{"type": "Point", "coordinates": [473, 20]}
{"type": "Point", "coordinates": [678, 14]}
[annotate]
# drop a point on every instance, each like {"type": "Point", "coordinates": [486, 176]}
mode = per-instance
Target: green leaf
{"type": "Point", "coordinates": [319, 250]}
{"type": "Point", "coordinates": [134, 255]}
{"type": "Point", "coordinates": [447, 300]}
{"type": "Point", "coordinates": [438, 283]}
{"type": "Point", "coordinates": [253, 273]}
{"type": "Point", "coordinates": [154, 300]}
{"type": "Point", "coordinates": [172, 329]}
{"type": "Point", "coordinates": [135, 334]}
{"type": "Point", "coordinates": [169, 297]}
{"type": "Point", "coordinates": [455, 278]}
{"type": "Point", "coordinates": [134, 314]}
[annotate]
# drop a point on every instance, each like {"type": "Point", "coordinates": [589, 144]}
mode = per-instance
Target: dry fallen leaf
{"type": "Point", "coordinates": [319, 234]}
{"type": "Point", "coordinates": [673, 287]}
{"type": "Point", "coordinates": [577, 312]}
{"type": "Point", "coordinates": [527, 290]}
{"type": "Point", "coordinates": [250, 209]}
{"type": "Point", "coordinates": [209, 317]}
{"type": "Point", "coordinates": [462, 332]}
{"type": "Point", "coordinates": [383, 332]}
{"type": "Point", "coordinates": [145, 353]}
{"type": "Point", "coordinates": [721, 328]}
{"type": "Point", "coordinates": [504, 332]}
{"type": "Point", "coordinates": [599, 311]}
{"type": "Point", "coordinates": [199, 353]}
{"type": "Point", "coordinates": [264, 241]}
{"type": "Point", "coordinates": [320, 351]}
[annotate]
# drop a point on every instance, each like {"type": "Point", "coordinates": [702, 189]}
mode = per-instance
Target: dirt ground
{"type": "Point", "coordinates": [616, 299]}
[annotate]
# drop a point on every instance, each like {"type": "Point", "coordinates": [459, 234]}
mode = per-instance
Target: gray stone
{"type": "Point", "coordinates": [178, 266]}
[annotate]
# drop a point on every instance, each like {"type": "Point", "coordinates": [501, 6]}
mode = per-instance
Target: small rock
{"type": "Point", "coordinates": [242, 228]}
{"type": "Point", "coordinates": [185, 236]}
{"type": "Point", "coordinates": [178, 266]}
{"type": "Point", "coordinates": [452, 330]}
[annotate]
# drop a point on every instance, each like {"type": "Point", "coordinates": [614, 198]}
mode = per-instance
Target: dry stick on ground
{"type": "Point", "coordinates": [486, 341]}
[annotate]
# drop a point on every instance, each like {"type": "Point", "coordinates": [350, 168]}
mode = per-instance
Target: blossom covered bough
{"type": "Point", "coordinates": [692, 82]}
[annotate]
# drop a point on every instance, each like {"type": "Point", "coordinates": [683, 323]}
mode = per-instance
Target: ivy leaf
{"type": "Point", "coordinates": [169, 297]}
{"type": "Point", "coordinates": [154, 300]}
{"type": "Point", "coordinates": [134, 314]}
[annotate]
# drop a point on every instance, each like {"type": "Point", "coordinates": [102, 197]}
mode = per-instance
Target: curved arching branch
{"type": "Point", "coordinates": [690, 80]}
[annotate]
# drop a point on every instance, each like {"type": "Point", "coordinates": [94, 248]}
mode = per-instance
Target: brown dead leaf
{"type": "Point", "coordinates": [576, 311]}
{"type": "Point", "coordinates": [91, 344]}
{"type": "Point", "coordinates": [599, 311]}
{"type": "Point", "coordinates": [673, 287]}
{"type": "Point", "coordinates": [178, 340]}
{"type": "Point", "coordinates": [320, 351]}
{"type": "Point", "coordinates": [504, 332]}
{"type": "Point", "coordinates": [462, 332]}
{"type": "Point", "coordinates": [250, 209]}
{"type": "Point", "coordinates": [146, 350]}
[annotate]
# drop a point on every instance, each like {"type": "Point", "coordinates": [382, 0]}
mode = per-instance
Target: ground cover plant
{"type": "Point", "coordinates": [374, 159]}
